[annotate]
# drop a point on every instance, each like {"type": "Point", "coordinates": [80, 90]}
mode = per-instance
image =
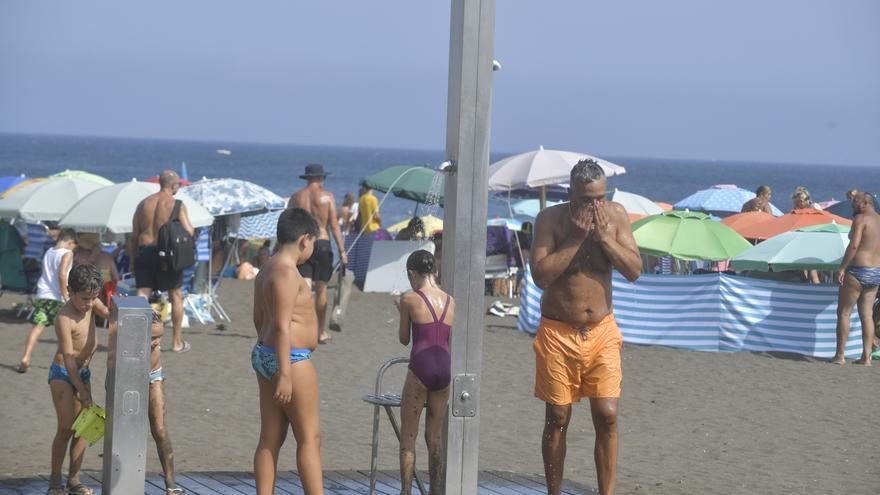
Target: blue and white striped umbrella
{"type": "Point", "coordinates": [721, 199]}
{"type": "Point", "coordinates": [234, 196]}
{"type": "Point", "coordinates": [262, 226]}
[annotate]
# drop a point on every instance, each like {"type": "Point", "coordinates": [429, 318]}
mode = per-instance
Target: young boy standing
{"type": "Point", "coordinates": [51, 291]}
{"type": "Point", "coordinates": [286, 325]}
{"type": "Point", "coordinates": [69, 375]}
{"type": "Point", "coordinates": [157, 408]}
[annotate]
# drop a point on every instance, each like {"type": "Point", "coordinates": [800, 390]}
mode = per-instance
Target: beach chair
{"type": "Point", "coordinates": [500, 259]}
{"type": "Point", "coordinates": [387, 401]}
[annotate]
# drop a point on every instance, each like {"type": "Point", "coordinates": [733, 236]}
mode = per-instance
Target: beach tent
{"type": "Point", "coordinates": [46, 200]}
{"type": "Point", "coordinates": [420, 184]}
{"type": "Point", "coordinates": [12, 276]}
{"type": "Point", "coordinates": [819, 247]}
{"type": "Point", "coordinates": [387, 266]}
{"type": "Point", "coordinates": [796, 219]}
{"type": "Point", "coordinates": [233, 197]}
{"type": "Point", "coordinates": [687, 235]}
{"type": "Point", "coordinates": [262, 226]}
{"type": "Point", "coordinates": [81, 174]}
{"type": "Point", "coordinates": [720, 199]}
{"type": "Point", "coordinates": [110, 209]}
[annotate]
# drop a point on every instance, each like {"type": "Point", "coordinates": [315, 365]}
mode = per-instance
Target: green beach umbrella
{"type": "Point", "coordinates": [817, 247]}
{"type": "Point", "coordinates": [687, 235]}
{"type": "Point", "coordinates": [81, 174]}
{"type": "Point", "coordinates": [417, 183]}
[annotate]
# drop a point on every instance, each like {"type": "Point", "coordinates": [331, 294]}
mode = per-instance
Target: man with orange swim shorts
{"type": "Point", "coordinates": [577, 348]}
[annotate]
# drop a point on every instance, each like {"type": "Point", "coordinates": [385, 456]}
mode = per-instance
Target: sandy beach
{"type": "Point", "coordinates": [690, 422]}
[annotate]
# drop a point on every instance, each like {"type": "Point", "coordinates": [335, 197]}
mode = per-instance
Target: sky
{"type": "Point", "coordinates": [781, 81]}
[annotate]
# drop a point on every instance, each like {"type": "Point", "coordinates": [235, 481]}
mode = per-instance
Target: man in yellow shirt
{"type": "Point", "coordinates": [368, 210]}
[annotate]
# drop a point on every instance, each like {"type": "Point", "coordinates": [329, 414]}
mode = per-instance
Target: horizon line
{"type": "Point", "coordinates": [400, 148]}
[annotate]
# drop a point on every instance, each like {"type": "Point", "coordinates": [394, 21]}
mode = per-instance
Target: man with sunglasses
{"type": "Point", "coordinates": [577, 348]}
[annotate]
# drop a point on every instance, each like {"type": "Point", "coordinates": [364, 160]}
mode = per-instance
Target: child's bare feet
{"type": "Point", "coordinates": [838, 360]}
{"type": "Point", "coordinates": [864, 361]}
{"type": "Point", "coordinates": [23, 367]}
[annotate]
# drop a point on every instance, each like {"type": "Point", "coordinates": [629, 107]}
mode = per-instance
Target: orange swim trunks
{"type": "Point", "coordinates": [571, 363]}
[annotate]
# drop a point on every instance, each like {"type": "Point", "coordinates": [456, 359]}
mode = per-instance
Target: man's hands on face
{"type": "Point", "coordinates": [582, 217]}
{"type": "Point", "coordinates": [603, 229]}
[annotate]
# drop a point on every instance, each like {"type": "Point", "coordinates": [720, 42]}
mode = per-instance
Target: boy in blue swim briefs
{"type": "Point", "coordinates": [286, 325]}
{"type": "Point", "coordinates": [69, 375]}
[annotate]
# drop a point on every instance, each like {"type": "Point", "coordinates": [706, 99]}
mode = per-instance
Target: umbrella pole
{"type": "Point", "coordinates": [416, 212]}
{"type": "Point", "coordinates": [543, 200]}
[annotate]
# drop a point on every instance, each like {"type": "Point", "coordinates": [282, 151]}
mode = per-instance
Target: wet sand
{"type": "Point", "coordinates": [690, 422]}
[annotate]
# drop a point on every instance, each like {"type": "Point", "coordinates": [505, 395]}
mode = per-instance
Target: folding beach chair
{"type": "Point", "coordinates": [387, 401]}
{"type": "Point", "coordinates": [199, 298]}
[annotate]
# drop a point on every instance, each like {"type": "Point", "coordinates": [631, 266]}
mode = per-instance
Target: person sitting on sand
{"type": "Point", "coordinates": [430, 368]}
{"type": "Point", "coordinates": [69, 375]}
{"type": "Point", "coordinates": [51, 291]}
{"type": "Point", "coordinates": [859, 278]}
{"type": "Point", "coordinates": [157, 407]}
{"type": "Point", "coordinates": [248, 270]}
{"type": "Point", "coordinates": [761, 201]}
{"type": "Point", "coordinates": [414, 230]}
{"type": "Point", "coordinates": [286, 325]}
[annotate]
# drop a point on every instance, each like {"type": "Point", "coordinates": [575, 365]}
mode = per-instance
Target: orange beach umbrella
{"type": "Point", "coordinates": [796, 219]}
{"type": "Point", "coordinates": [743, 221]}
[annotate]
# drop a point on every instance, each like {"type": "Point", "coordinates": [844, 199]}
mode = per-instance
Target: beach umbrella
{"type": "Point", "coordinates": [746, 220]}
{"type": "Point", "coordinates": [262, 226]}
{"type": "Point", "coordinates": [46, 200]}
{"type": "Point", "coordinates": [635, 204]}
{"type": "Point", "coordinates": [687, 235]}
{"type": "Point", "coordinates": [19, 185]}
{"type": "Point", "coordinates": [540, 168]}
{"type": "Point", "coordinates": [233, 196]}
{"type": "Point", "coordinates": [81, 174]}
{"type": "Point", "coordinates": [796, 219]}
{"type": "Point", "coordinates": [155, 180]}
{"type": "Point", "coordinates": [432, 224]}
{"type": "Point", "coordinates": [421, 184]}
{"type": "Point", "coordinates": [720, 199]}
{"type": "Point", "coordinates": [819, 247]}
{"type": "Point", "coordinates": [11, 180]}
{"type": "Point", "coordinates": [530, 207]}
{"type": "Point", "coordinates": [110, 209]}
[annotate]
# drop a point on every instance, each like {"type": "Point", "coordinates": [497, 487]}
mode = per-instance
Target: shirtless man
{"type": "Point", "coordinates": [285, 321]}
{"type": "Point", "coordinates": [578, 344]}
{"type": "Point", "coordinates": [859, 276]}
{"type": "Point", "coordinates": [319, 268]}
{"type": "Point", "coordinates": [151, 214]}
{"type": "Point", "coordinates": [761, 201]}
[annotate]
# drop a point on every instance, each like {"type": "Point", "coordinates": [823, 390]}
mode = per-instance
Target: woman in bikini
{"type": "Point", "coordinates": [426, 316]}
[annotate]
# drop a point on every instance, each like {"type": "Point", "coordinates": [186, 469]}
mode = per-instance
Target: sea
{"type": "Point", "coordinates": [277, 167]}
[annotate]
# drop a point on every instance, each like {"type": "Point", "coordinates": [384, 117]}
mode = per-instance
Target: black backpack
{"type": "Point", "coordinates": [176, 245]}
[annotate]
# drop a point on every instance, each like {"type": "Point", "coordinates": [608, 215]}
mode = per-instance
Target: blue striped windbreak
{"type": "Point", "coordinates": [719, 312]}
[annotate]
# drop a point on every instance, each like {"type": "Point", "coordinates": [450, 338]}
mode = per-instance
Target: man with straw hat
{"type": "Point", "coordinates": [319, 268]}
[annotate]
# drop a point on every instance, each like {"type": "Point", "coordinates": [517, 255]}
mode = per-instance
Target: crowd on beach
{"type": "Point", "coordinates": [572, 251]}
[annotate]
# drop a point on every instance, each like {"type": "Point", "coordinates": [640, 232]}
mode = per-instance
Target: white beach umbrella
{"type": "Point", "coordinates": [540, 168]}
{"type": "Point", "coordinates": [110, 209]}
{"type": "Point", "coordinates": [46, 200]}
{"type": "Point", "coordinates": [635, 204]}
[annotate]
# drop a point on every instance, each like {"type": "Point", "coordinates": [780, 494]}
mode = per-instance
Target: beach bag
{"type": "Point", "coordinates": [177, 248]}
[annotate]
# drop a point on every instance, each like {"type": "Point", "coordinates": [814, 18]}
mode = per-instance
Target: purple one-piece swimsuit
{"type": "Point", "coordinates": [429, 359]}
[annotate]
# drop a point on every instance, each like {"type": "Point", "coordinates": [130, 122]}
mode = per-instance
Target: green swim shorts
{"type": "Point", "coordinates": [45, 311]}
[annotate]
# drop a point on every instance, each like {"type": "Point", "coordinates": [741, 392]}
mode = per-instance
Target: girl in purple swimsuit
{"type": "Point", "coordinates": [426, 314]}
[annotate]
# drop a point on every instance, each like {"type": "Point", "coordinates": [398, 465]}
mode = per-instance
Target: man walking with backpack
{"type": "Point", "coordinates": [162, 247]}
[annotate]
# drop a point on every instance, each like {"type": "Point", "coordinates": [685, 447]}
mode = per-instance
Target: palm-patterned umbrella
{"type": "Point", "coordinates": [233, 196]}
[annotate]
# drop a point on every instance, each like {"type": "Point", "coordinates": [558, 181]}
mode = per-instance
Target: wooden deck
{"type": "Point", "coordinates": [335, 483]}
